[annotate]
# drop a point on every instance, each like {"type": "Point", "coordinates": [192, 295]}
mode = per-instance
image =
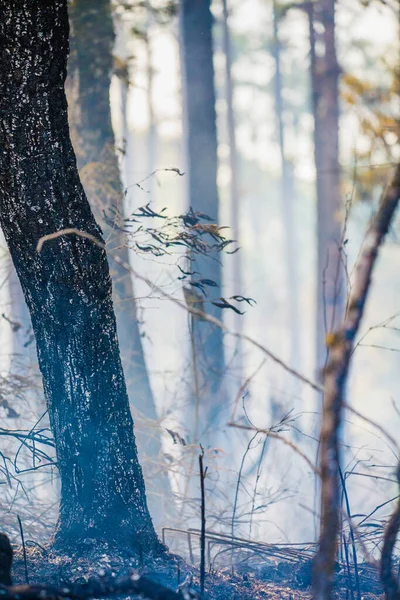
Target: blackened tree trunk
{"type": "Point", "coordinates": [67, 286]}
{"type": "Point", "coordinates": [201, 150]}
{"type": "Point", "coordinates": [93, 39]}
{"type": "Point", "coordinates": [331, 285]}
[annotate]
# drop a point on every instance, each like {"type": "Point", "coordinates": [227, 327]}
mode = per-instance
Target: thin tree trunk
{"type": "Point", "coordinates": [331, 287]}
{"type": "Point", "coordinates": [67, 286]}
{"type": "Point", "coordinates": [287, 208]}
{"type": "Point", "coordinates": [201, 144]}
{"type": "Point", "coordinates": [234, 182]}
{"type": "Point", "coordinates": [152, 129]}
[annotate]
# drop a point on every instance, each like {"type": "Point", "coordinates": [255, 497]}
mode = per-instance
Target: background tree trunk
{"type": "Point", "coordinates": [201, 148]}
{"type": "Point", "coordinates": [331, 286]}
{"type": "Point", "coordinates": [234, 181]}
{"type": "Point", "coordinates": [152, 127]}
{"type": "Point", "coordinates": [67, 286]}
{"type": "Point", "coordinates": [287, 201]}
{"type": "Point", "coordinates": [93, 41]}
{"type": "Point", "coordinates": [331, 283]}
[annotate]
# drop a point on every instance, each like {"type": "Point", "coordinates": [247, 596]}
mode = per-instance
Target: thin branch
{"type": "Point", "coordinates": [203, 522]}
{"type": "Point", "coordinates": [193, 311]}
{"type": "Point", "coordinates": [210, 319]}
{"type": "Point", "coordinates": [23, 548]}
{"type": "Point", "coordinates": [277, 436]}
{"type": "Point", "coordinates": [68, 231]}
{"type": "Point", "coordinates": [242, 389]}
{"type": "Point", "coordinates": [374, 424]}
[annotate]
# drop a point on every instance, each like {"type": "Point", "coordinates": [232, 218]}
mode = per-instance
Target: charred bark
{"type": "Point", "coordinates": [6, 557]}
{"type": "Point", "coordinates": [67, 285]}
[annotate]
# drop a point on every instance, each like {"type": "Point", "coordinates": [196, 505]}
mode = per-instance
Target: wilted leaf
{"type": "Point", "coordinates": [177, 438]}
{"type": "Point", "coordinates": [244, 299]}
{"type": "Point", "coordinates": [225, 304]}
{"type": "Point", "coordinates": [15, 325]}
{"type": "Point", "coordinates": [9, 412]}
{"type": "Point", "coordinates": [209, 282]}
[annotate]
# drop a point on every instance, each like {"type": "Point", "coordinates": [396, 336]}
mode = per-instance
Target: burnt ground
{"type": "Point", "coordinates": [265, 580]}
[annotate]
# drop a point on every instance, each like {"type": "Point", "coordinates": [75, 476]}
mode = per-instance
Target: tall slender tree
{"type": "Point", "coordinates": [234, 171]}
{"type": "Point", "coordinates": [152, 128]}
{"type": "Point", "coordinates": [201, 148]}
{"type": "Point", "coordinates": [331, 285]}
{"type": "Point", "coordinates": [287, 201]}
{"type": "Point", "coordinates": [93, 39]}
{"type": "Point", "coordinates": [67, 285]}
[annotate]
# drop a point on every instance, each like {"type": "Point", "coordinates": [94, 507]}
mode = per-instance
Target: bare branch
{"type": "Point", "coordinates": [206, 317]}
{"type": "Point", "coordinates": [242, 389]}
{"type": "Point", "coordinates": [374, 424]}
{"type": "Point", "coordinates": [272, 434]}
{"type": "Point", "coordinates": [68, 231]}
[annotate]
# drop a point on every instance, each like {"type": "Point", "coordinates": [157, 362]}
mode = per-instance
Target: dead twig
{"type": "Point", "coordinates": [23, 549]}
{"type": "Point", "coordinates": [68, 231]}
{"type": "Point", "coordinates": [243, 388]}
{"type": "Point", "coordinates": [387, 435]}
{"type": "Point", "coordinates": [272, 434]}
{"type": "Point", "coordinates": [341, 346]}
{"type": "Point", "coordinates": [237, 491]}
{"type": "Point", "coordinates": [210, 319]}
{"type": "Point", "coordinates": [352, 537]}
{"type": "Point", "coordinates": [203, 523]}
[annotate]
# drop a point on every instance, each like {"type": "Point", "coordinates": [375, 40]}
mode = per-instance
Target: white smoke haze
{"type": "Point", "coordinates": [272, 491]}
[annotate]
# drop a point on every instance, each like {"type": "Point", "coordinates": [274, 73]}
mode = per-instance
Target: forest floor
{"type": "Point", "coordinates": [265, 581]}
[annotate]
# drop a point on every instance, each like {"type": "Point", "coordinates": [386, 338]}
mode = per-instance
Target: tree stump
{"type": "Point", "coordinates": [6, 556]}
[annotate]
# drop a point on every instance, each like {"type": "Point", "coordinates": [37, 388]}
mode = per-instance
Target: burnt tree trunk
{"type": "Point", "coordinates": [93, 40]}
{"type": "Point", "coordinates": [67, 286]}
{"type": "Point", "coordinates": [6, 557]}
{"type": "Point", "coordinates": [201, 149]}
